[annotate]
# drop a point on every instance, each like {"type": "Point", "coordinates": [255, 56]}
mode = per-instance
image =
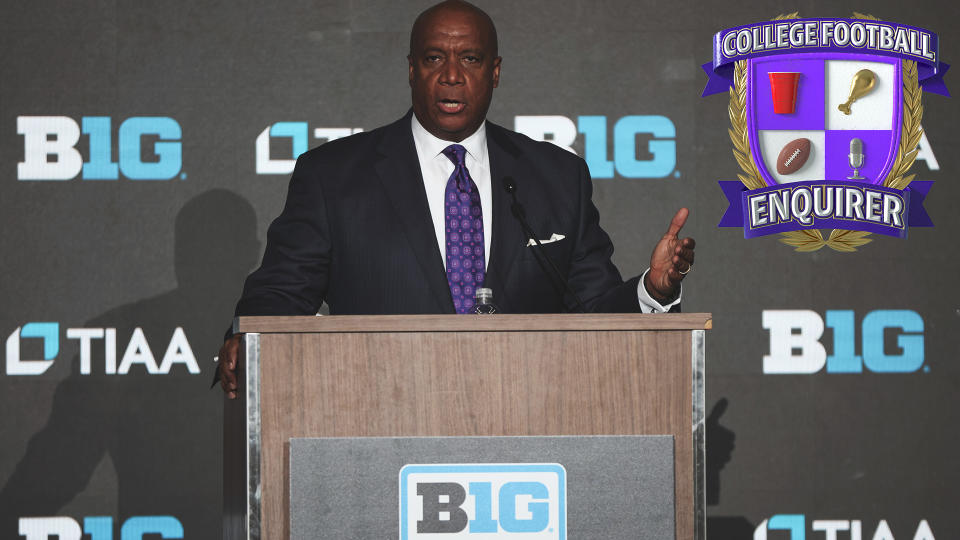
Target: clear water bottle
{"type": "Point", "coordinates": [484, 304]}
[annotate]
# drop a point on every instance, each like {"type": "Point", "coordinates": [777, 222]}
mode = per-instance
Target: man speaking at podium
{"type": "Point", "coordinates": [414, 216]}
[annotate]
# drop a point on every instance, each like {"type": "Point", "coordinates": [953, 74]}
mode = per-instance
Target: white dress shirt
{"type": "Point", "coordinates": [436, 169]}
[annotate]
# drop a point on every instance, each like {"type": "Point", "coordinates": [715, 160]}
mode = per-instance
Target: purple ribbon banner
{"type": "Point", "coordinates": [825, 204]}
{"type": "Point", "coordinates": [862, 36]}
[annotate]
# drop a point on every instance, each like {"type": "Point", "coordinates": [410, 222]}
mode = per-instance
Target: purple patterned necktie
{"type": "Point", "coordinates": [464, 225]}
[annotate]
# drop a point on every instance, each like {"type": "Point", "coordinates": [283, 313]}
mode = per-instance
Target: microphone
{"type": "Point", "coordinates": [856, 158]}
{"type": "Point", "coordinates": [517, 210]}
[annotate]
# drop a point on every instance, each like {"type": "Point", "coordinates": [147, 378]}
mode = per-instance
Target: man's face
{"type": "Point", "coordinates": [453, 72]}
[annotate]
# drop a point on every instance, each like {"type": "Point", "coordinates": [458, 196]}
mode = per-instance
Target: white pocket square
{"type": "Point", "coordinates": [553, 238]}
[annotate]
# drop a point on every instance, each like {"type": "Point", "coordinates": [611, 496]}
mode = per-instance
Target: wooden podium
{"type": "Point", "coordinates": [449, 375]}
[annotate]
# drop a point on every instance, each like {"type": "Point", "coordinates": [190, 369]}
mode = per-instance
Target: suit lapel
{"type": "Point", "coordinates": [399, 171]}
{"type": "Point", "coordinates": [508, 238]}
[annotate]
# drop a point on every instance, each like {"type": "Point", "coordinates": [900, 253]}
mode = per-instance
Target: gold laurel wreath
{"type": "Point", "coordinates": [910, 133]}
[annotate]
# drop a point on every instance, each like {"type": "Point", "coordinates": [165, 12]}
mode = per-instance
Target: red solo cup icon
{"type": "Point", "coordinates": [783, 86]}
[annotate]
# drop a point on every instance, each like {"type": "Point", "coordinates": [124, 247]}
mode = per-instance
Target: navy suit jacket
{"type": "Point", "coordinates": [356, 232]}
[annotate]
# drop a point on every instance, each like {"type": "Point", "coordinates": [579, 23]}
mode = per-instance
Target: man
{"type": "Point", "coordinates": [414, 216]}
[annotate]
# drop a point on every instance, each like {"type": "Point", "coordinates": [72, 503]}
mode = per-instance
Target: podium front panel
{"type": "Point", "coordinates": [518, 376]}
{"type": "Point", "coordinates": [534, 488]}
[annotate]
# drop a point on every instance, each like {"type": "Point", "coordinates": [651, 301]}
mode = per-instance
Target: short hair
{"type": "Point", "coordinates": [459, 5]}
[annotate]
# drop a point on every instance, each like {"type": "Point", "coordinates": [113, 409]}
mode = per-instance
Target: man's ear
{"type": "Point", "coordinates": [496, 71]}
{"type": "Point", "coordinates": [410, 69]}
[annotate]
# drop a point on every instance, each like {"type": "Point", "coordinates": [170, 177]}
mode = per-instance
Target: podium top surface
{"type": "Point", "coordinates": [564, 322]}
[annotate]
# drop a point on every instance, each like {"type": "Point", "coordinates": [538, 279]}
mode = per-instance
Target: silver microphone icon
{"type": "Point", "coordinates": [856, 159]}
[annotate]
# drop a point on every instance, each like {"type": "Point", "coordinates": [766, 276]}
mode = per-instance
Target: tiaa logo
{"type": "Point", "coordinates": [794, 527]}
{"type": "Point", "coordinates": [491, 500]}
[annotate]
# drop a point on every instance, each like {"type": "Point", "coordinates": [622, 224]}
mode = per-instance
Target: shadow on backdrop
{"type": "Point", "coordinates": [720, 445]}
{"type": "Point", "coordinates": [162, 432]}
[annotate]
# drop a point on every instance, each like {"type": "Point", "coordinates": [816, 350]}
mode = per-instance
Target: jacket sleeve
{"type": "Point", "coordinates": [592, 273]}
{"type": "Point", "coordinates": [294, 274]}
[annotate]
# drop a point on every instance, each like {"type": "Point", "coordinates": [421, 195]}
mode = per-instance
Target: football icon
{"type": "Point", "coordinates": [793, 156]}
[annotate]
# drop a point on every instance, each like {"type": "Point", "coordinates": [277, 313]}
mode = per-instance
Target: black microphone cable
{"type": "Point", "coordinates": [517, 209]}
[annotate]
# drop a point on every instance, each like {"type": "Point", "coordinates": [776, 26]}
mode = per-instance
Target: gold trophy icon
{"type": "Point", "coordinates": [861, 85]}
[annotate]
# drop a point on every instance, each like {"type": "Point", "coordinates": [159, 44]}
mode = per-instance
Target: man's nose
{"type": "Point", "coordinates": [452, 73]}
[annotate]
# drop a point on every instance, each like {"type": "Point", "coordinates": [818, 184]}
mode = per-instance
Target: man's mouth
{"type": "Point", "coordinates": [451, 106]}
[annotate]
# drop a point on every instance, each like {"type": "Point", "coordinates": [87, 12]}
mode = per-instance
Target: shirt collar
{"type": "Point", "coordinates": [431, 146]}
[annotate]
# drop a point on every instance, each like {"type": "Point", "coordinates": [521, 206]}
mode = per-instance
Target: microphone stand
{"type": "Point", "coordinates": [517, 210]}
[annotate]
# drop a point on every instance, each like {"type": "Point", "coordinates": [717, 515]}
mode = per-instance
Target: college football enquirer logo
{"type": "Point", "coordinates": [825, 118]}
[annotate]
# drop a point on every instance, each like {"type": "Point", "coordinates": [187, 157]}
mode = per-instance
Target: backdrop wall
{"type": "Point", "coordinates": [176, 125]}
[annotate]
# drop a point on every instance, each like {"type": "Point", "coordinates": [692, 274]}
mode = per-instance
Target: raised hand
{"type": "Point", "coordinates": [671, 261]}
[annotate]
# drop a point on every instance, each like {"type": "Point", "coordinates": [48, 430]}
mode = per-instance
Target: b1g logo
{"type": "Point", "coordinates": [795, 346]}
{"type": "Point", "coordinates": [493, 500]}
{"type": "Point", "coordinates": [100, 528]}
{"type": "Point", "coordinates": [661, 146]}
{"type": "Point", "coordinates": [50, 153]}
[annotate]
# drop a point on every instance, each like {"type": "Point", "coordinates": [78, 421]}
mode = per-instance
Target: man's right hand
{"type": "Point", "coordinates": [227, 366]}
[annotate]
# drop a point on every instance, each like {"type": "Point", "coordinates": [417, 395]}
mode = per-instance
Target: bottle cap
{"type": "Point", "coordinates": [483, 292]}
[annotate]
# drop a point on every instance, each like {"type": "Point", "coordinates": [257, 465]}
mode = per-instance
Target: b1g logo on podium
{"type": "Point", "coordinates": [480, 501]}
{"type": "Point", "coordinates": [825, 122]}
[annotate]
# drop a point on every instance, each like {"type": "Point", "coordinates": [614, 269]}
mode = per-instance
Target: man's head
{"type": "Point", "coordinates": [454, 68]}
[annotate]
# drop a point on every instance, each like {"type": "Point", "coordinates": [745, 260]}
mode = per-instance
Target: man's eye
{"type": "Point", "coordinates": [471, 59]}
{"type": "Point", "coordinates": [433, 58]}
